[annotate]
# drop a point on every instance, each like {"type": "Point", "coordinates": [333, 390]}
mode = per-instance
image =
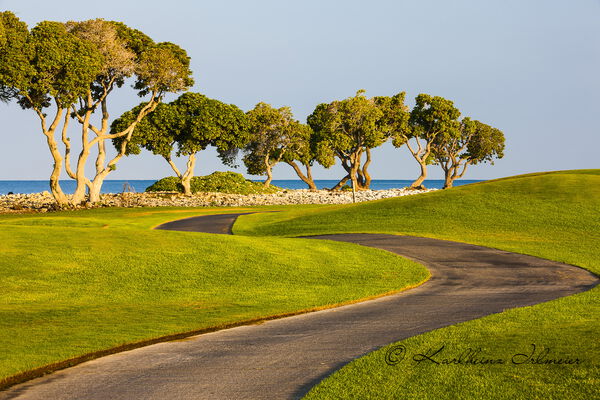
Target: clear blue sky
{"type": "Point", "coordinates": [530, 68]}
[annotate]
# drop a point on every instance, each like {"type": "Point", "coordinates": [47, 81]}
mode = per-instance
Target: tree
{"type": "Point", "coordinates": [272, 132]}
{"type": "Point", "coordinates": [475, 143]}
{"type": "Point", "coordinates": [159, 69]}
{"type": "Point", "coordinates": [46, 70]}
{"type": "Point", "coordinates": [69, 70]}
{"type": "Point", "coordinates": [185, 127]}
{"type": "Point", "coordinates": [432, 116]}
{"type": "Point", "coordinates": [305, 150]}
{"type": "Point", "coordinates": [348, 129]}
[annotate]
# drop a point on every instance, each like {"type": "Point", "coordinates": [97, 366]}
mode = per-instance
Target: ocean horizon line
{"type": "Point", "coordinates": [22, 186]}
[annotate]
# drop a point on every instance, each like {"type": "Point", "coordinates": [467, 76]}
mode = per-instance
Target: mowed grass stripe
{"type": "Point", "coordinates": [79, 282]}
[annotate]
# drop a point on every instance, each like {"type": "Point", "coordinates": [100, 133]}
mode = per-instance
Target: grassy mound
{"type": "Point", "coordinates": [550, 215]}
{"type": "Point", "coordinates": [82, 281]}
{"type": "Point", "coordinates": [221, 182]}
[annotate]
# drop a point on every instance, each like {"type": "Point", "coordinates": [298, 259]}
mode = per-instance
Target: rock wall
{"type": "Point", "coordinates": [43, 202]}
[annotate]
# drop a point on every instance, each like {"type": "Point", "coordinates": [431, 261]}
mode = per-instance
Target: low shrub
{"type": "Point", "coordinates": [221, 182]}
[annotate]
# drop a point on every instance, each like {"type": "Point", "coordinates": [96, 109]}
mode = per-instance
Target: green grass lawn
{"type": "Point", "coordinates": [72, 283]}
{"type": "Point", "coordinates": [550, 215]}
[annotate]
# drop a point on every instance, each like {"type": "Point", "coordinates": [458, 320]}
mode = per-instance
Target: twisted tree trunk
{"type": "Point", "coordinates": [57, 192]}
{"type": "Point", "coordinates": [447, 179]}
{"type": "Point", "coordinates": [186, 179]}
{"type": "Point", "coordinates": [308, 179]}
{"type": "Point", "coordinates": [365, 172]}
{"type": "Point", "coordinates": [341, 183]}
{"type": "Point", "coordinates": [419, 181]}
{"type": "Point", "coordinates": [269, 171]}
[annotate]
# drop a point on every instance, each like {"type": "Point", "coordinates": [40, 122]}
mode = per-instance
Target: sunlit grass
{"type": "Point", "coordinates": [550, 215]}
{"type": "Point", "coordinates": [77, 282]}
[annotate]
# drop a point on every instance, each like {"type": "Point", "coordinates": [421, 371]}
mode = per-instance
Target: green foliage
{"type": "Point", "coordinates": [474, 143]}
{"type": "Point", "coordinates": [186, 126]}
{"type": "Point", "coordinates": [346, 129]}
{"type": "Point", "coordinates": [395, 113]}
{"type": "Point", "coordinates": [46, 63]}
{"type": "Point", "coordinates": [273, 131]}
{"type": "Point", "coordinates": [64, 61]}
{"type": "Point", "coordinates": [222, 182]}
{"type": "Point", "coordinates": [348, 125]}
{"type": "Point", "coordinates": [486, 144]}
{"type": "Point", "coordinates": [162, 68]}
{"type": "Point", "coordinates": [168, 184]}
{"type": "Point", "coordinates": [431, 116]}
{"type": "Point", "coordinates": [14, 52]}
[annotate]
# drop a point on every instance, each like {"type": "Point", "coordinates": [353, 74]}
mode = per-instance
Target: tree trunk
{"type": "Point", "coordinates": [360, 179]}
{"type": "Point", "coordinates": [449, 173]}
{"type": "Point", "coordinates": [186, 179]}
{"type": "Point", "coordinates": [55, 189]}
{"type": "Point", "coordinates": [101, 135]}
{"type": "Point", "coordinates": [355, 163]}
{"type": "Point", "coordinates": [354, 182]}
{"type": "Point", "coordinates": [82, 181]}
{"type": "Point", "coordinates": [95, 187]}
{"type": "Point", "coordinates": [59, 196]}
{"type": "Point", "coordinates": [268, 169]}
{"type": "Point", "coordinates": [420, 179]}
{"type": "Point", "coordinates": [186, 182]}
{"type": "Point", "coordinates": [79, 194]}
{"type": "Point", "coordinates": [341, 183]}
{"type": "Point", "coordinates": [448, 180]}
{"type": "Point", "coordinates": [311, 182]}
{"type": "Point", "coordinates": [305, 178]}
{"type": "Point", "coordinates": [365, 172]}
{"type": "Point", "coordinates": [356, 173]}
{"type": "Point", "coordinates": [267, 182]}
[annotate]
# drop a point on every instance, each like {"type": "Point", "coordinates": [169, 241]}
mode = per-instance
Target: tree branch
{"type": "Point", "coordinates": [67, 143]}
{"type": "Point", "coordinates": [174, 167]}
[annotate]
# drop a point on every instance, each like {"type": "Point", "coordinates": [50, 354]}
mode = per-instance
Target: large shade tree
{"type": "Point", "coordinates": [350, 128]}
{"type": "Point", "coordinates": [70, 70]}
{"type": "Point", "coordinates": [432, 116]}
{"type": "Point", "coordinates": [475, 143]}
{"type": "Point", "coordinates": [185, 127]}
{"type": "Point", "coordinates": [46, 70]}
{"type": "Point", "coordinates": [274, 134]}
{"type": "Point", "coordinates": [303, 151]}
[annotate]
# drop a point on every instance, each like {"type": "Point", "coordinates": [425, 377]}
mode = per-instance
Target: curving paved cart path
{"type": "Point", "coordinates": [284, 358]}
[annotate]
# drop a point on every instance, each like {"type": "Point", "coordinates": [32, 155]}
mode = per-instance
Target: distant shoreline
{"type": "Point", "coordinates": [139, 185]}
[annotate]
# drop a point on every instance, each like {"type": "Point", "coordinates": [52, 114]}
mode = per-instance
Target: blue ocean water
{"type": "Point", "coordinates": [118, 186]}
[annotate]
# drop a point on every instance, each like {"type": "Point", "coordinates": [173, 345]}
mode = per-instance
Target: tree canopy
{"type": "Point", "coordinates": [273, 133]}
{"type": "Point", "coordinates": [431, 117]}
{"type": "Point", "coordinates": [349, 128]}
{"type": "Point", "coordinates": [475, 143]}
{"type": "Point", "coordinates": [63, 71]}
{"type": "Point", "coordinates": [185, 127]}
{"type": "Point", "coordinates": [70, 69]}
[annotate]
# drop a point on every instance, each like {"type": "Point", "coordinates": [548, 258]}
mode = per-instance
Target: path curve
{"type": "Point", "coordinates": [283, 359]}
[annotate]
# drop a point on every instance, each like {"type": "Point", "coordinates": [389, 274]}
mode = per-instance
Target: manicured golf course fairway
{"type": "Point", "coordinates": [78, 282]}
{"type": "Point", "coordinates": [554, 216]}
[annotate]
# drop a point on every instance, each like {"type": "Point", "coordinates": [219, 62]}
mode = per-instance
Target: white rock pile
{"type": "Point", "coordinates": [44, 202]}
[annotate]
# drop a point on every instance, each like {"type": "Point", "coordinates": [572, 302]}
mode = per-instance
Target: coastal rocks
{"type": "Point", "coordinates": [43, 202]}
